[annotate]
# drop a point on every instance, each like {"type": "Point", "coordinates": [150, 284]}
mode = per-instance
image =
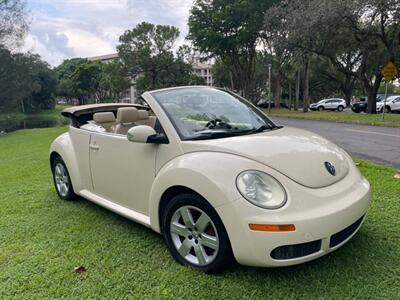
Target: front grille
{"type": "Point", "coordinates": [341, 236]}
{"type": "Point", "coordinates": [297, 250]}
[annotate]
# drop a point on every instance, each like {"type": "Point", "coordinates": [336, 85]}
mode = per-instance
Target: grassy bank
{"type": "Point", "coordinates": [46, 118]}
{"type": "Point", "coordinates": [52, 113]}
{"type": "Point", "coordinates": [43, 238]}
{"type": "Point", "coordinates": [392, 120]}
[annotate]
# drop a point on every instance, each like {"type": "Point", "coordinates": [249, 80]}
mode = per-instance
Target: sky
{"type": "Point", "coordinates": [61, 29]}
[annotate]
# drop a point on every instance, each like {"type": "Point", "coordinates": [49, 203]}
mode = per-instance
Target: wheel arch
{"type": "Point", "coordinates": [170, 193]}
{"type": "Point", "coordinates": [210, 175]}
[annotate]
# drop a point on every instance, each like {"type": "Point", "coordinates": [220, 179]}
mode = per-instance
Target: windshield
{"type": "Point", "coordinates": [206, 113]}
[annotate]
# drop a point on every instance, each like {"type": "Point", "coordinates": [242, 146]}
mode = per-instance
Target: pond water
{"type": "Point", "coordinates": [29, 122]}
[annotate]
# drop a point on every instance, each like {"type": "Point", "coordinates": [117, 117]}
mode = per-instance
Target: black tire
{"type": "Point", "coordinates": [387, 110]}
{"type": "Point", "coordinates": [223, 256]}
{"type": "Point", "coordinates": [340, 108]}
{"type": "Point", "coordinates": [69, 195]}
{"type": "Point", "coordinates": [320, 108]}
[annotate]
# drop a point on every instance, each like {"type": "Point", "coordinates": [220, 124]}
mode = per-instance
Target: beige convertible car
{"type": "Point", "coordinates": [214, 175]}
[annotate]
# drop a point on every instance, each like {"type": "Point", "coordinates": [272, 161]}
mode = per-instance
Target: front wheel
{"type": "Point", "coordinates": [321, 108]}
{"type": "Point", "coordinates": [62, 180]}
{"type": "Point", "coordinates": [195, 235]}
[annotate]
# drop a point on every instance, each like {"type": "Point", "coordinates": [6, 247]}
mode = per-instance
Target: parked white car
{"type": "Point", "coordinates": [329, 104]}
{"type": "Point", "coordinates": [214, 175]}
{"type": "Point", "coordinates": [392, 104]}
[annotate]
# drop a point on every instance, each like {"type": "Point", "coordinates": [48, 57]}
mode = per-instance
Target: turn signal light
{"type": "Point", "coordinates": [270, 227]}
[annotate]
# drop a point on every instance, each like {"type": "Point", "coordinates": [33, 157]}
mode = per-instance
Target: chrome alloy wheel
{"type": "Point", "coordinates": [194, 235]}
{"type": "Point", "coordinates": [61, 178]}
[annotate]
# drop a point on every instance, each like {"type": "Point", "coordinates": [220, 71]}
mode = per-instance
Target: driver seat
{"type": "Point", "coordinates": [126, 119]}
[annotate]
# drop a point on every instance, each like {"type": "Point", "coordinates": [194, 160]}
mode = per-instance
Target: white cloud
{"type": "Point", "coordinates": [68, 28]}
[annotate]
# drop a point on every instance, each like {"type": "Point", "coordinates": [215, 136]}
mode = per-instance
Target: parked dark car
{"type": "Point", "coordinates": [360, 106]}
{"type": "Point", "coordinates": [263, 103]}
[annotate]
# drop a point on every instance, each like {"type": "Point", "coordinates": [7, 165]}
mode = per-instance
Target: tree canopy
{"type": "Point", "coordinates": [146, 53]}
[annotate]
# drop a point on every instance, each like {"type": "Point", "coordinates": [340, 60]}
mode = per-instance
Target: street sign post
{"type": "Point", "coordinates": [388, 72]}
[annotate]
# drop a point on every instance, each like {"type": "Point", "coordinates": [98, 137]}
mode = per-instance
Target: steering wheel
{"type": "Point", "coordinates": [217, 123]}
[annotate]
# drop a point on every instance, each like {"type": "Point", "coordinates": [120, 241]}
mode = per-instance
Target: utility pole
{"type": "Point", "coordinates": [269, 87]}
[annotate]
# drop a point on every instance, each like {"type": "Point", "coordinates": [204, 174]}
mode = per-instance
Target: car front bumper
{"type": "Point", "coordinates": [319, 230]}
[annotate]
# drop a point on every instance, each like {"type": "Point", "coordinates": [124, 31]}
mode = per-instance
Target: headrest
{"type": "Point", "coordinates": [127, 115]}
{"type": "Point", "coordinates": [143, 114]}
{"type": "Point", "coordinates": [104, 117]}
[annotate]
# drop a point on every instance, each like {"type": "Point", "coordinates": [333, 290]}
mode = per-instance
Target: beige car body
{"type": "Point", "coordinates": [132, 179]}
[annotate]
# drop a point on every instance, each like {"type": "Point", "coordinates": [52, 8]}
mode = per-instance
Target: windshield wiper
{"type": "Point", "coordinates": [212, 135]}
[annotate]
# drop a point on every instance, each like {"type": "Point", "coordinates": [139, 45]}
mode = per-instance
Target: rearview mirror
{"type": "Point", "coordinates": [146, 134]}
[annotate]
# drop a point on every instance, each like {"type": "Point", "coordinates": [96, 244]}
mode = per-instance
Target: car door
{"type": "Point", "coordinates": [122, 171]}
{"type": "Point", "coordinates": [396, 104]}
{"type": "Point", "coordinates": [328, 104]}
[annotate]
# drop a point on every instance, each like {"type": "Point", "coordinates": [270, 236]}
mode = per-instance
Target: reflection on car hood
{"type": "Point", "coordinates": [296, 153]}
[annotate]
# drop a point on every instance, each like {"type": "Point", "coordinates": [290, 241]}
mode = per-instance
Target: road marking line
{"type": "Point", "coordinates": [373, 132]}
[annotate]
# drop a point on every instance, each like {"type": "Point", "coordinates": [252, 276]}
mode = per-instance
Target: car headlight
{"type": "Point", "coordinates": [261, 189]}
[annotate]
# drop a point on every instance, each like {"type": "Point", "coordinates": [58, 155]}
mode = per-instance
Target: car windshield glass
{"type": "Point", "coordinates": [208, 113]}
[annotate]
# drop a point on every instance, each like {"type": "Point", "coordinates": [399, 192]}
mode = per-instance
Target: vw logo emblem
{"type": "Point", "coordinates": [330, 168]}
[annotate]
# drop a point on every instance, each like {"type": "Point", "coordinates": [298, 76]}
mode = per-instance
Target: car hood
{"type": "Point", "coordinates": [296, 153]}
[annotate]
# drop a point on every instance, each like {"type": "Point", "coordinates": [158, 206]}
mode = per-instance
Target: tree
{"type": "Point", "coordinates": [230, 31]}
{"type": "Point", "coordinates": [274, 39]}
{"type": "Point", "coordinates": [357, 36]}
{"type": "Point", "coordinates": [114, 81]}
{"type": "Point", "coordinates": [65, 72]}
{"type": "Point", "coordinates": [27, 83]}
{"type": "Point", "coordinates": [13, 22]}
{"type": "Point", "coordinates": [146, 54]}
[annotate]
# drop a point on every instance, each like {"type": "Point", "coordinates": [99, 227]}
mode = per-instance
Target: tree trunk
{"type": "Point", "coordinates": [306, 95]}
{"type": "Point", "coordinates": [290, 96]}
{"type": "Point", "coordinates": [278, 89]}
{"type": "Point", "coordinates": [22, 106]}
{"type": "Point", "coordinates": [372, 91]}
{"type": "Point", "coordinates": [296, 105]}
{"type": "Point", "coordinates": [347, 88]}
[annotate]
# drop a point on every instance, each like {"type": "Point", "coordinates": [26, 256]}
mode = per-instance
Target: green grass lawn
{"type": "Point", "coordinates": [392, 120]}
{"type": "Point", "coordinates": [43, 238]}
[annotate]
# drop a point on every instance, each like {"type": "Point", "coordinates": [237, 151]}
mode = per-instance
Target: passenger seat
{"type": "Point", "coordinates": [145, 119]}
{"type": "Point", "coordinates": [126, 119]}
{"type": "Point", "coordinates": [104, 119]}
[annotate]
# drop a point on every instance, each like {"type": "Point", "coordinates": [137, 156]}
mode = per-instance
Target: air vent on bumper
{"type": "Point", "coordinates": [295, 251]}
{"type": "Point", "coordinates": [343, 235]}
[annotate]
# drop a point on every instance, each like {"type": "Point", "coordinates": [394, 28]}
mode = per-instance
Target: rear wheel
{"type": "Point", "coordinates": [195, 235]}
{"type": "Point", "coordinates": [62, 180]}
{"type": "Point", "coordinates": [340, 108]}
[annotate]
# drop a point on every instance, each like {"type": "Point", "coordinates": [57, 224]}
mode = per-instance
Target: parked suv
{"type": "Point", "coordinates": [329, 104]}
{"type": "Point", "coordinates": [392, 104]}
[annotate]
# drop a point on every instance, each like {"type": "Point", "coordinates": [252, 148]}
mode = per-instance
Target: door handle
{"type": "Point", "coordinates": [94, 147]}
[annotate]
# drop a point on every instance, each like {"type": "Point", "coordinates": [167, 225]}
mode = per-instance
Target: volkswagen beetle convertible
{"type": "Point", "coordinates": [214, 175]}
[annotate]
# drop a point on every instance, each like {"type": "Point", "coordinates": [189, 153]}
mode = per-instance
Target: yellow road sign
{"type": "Point", "coordinates": [389, 71]}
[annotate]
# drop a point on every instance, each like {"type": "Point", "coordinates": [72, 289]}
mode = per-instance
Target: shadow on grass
{"type": "Point", "coordinates": [355, 254]}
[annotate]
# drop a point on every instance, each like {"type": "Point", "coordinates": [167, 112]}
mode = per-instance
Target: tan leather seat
{"type": "Point", "coordinates": [145, 119]}
{"type": "Point", "coordinates": [126, 119]}
{"type": "Point", "coordinates": [104, 119]}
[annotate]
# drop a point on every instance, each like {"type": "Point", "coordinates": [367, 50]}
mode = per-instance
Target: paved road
{"type": "Point", "coordinates": [379, 144]}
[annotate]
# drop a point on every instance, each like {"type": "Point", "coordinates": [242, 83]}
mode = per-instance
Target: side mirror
{"type": "Point", "coordinates": [146, 134]}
